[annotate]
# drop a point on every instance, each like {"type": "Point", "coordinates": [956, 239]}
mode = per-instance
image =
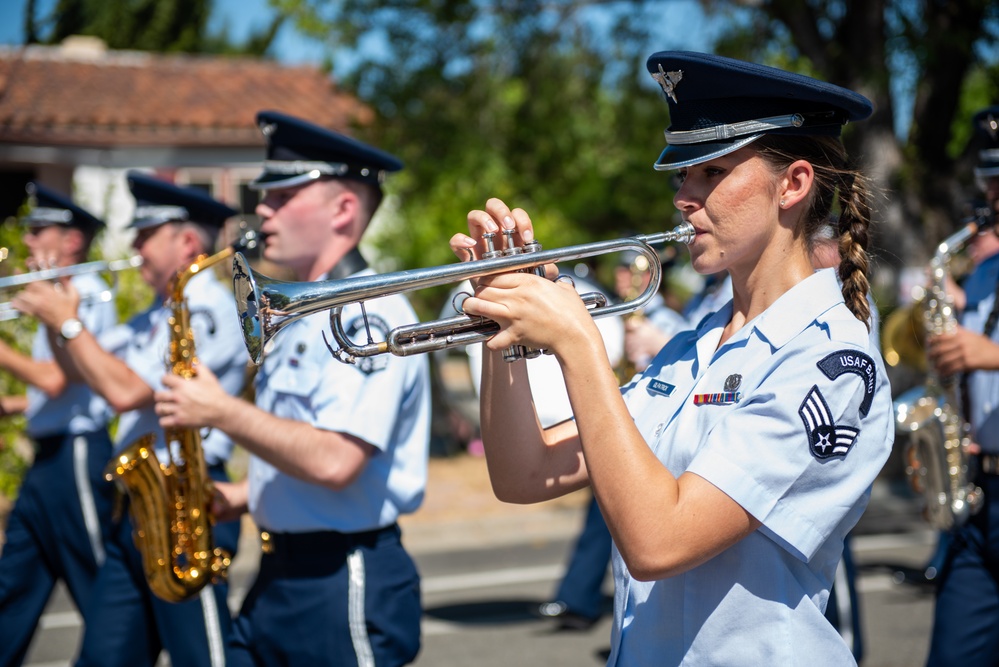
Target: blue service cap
{"type": "Point", "coordinates": [51, 208]}
{"type": "Point", "coordinates": [299, 152]}
{"type": "Point", "coordinates": [158, 202]}
{"type": "Point", "coordinates": [718, 105]}
{"type": "Point", "coordinates": [986, 126]}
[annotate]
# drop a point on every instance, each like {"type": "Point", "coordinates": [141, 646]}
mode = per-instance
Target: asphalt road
{"type": "Point", "coordinates": [481, 580]}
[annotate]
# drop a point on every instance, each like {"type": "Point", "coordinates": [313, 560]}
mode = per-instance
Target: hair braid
{"type": "Point", "coordinates": [853, 227]}
{"type": "Point", "coordinates": [836, 182]}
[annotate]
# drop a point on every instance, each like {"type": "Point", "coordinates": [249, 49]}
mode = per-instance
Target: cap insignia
{"type": "Point", "coordinates": [991, 125]}
{"type": "Point", "coordinates": [267, 129]}
{"type": "Point", "coordinates": [668, 80]}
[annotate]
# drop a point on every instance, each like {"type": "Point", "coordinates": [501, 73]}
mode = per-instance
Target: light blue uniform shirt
{"type": "Point", "coordinates": [77, 409]}
{"type": "Point", "coordinates": [799, 451]}
{"type": "Point", "coordinates": [144, 343]}
{"type": "Point", "coordinates": [983, 386]}
{"type": "Point", "coordinates": [383, 400]}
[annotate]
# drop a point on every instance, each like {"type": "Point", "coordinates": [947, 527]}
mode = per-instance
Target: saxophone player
{"type": "Point", "coordinates": [59, 524]}
{"type": "Point", "coordinates": [966, 614]}
{"type": "Point", "coordinates": [128, 625]}
{"type": "Point", "coordinates": [338, 451]}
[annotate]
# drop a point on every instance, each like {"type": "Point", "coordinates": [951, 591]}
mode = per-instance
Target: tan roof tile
{"type": "Point", "coordinates": [124, 98]}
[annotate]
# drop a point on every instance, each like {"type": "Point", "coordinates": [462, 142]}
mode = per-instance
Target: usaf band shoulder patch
{"type": "Point", "coordinates": [858, 363]}
{"type": "Point", "coordinates": [825, 438]}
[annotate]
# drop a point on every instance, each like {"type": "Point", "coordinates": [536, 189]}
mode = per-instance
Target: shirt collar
{"type": "Point", "coordinates": [799, 306]}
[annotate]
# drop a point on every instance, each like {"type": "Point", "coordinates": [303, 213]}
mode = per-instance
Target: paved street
{"type": "Point", "coordinates": [486, 565]}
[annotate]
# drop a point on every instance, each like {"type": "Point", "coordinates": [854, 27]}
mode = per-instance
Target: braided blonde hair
{"type": "Point", "coordinates": [840, 196]}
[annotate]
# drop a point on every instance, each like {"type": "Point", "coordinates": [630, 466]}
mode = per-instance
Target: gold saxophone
{"type": "Point", "coordinates": [936, 453]}
{"type": "Point", "coordinates": [169, 503]}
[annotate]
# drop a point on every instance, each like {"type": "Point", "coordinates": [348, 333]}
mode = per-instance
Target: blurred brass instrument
{"type": "Point", "coordinates": [112, 267]}
{"type": "Point", "coordinates": [170, 502]}
{"type": "Point", "coordinates": [266, 305]}
{"type": "Point", "coordinates": [936, 452]}
{"type": "Point", "coordinates": [637, 268]}
{"type": "Point", "coordinates": [903, 333]}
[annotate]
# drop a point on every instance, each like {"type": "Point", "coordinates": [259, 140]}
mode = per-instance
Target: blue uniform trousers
{"type": "Point", "coordinates": [581, 588]}
{"type": "Point", "coordinates": [966, 616]}
{"type": "Point", "coordinates": [328, 598]}
{"type": "Point", "coordinates": [57, 530]}
{"type": "Point", "coordinates": [128, 626]}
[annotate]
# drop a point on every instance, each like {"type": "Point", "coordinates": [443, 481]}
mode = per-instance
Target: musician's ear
{"type": "Point", "coordinates": [796, 183]}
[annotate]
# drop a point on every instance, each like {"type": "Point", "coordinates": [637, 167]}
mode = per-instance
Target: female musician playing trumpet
{"type": "Point", "coordinates": [730, 471]}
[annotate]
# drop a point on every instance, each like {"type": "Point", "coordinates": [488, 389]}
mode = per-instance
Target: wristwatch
{"type": "Point", "coordinates": [69, 330]}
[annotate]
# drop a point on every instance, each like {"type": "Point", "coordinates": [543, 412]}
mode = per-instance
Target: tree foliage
{"type": "Point", "coordinates": [165, 26]}
{"type": "Point", "coordinates": [547, 103]}
{"type": "Point", "coordinates": [520, 100]}
{"type": "Point", "coordinates": [927, 66]}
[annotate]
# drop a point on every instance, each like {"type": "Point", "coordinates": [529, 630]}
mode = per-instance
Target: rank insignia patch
{"type": "Point", "coordinates": [825, 438]}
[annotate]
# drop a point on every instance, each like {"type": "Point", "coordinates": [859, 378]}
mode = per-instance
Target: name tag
{"type": "Point", "coordinates": [661, 388]}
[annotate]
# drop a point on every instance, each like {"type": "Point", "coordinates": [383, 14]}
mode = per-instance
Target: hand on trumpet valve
{"type": "Point", "coordinates": [522, 304]}
{"type": "Point", "coordinates": [41, 262]}
{"type": "Point", "coordinates": [51, 302]}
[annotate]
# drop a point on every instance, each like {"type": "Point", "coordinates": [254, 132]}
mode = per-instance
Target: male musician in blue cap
{"type": "Point", "coordinates": [128, 624]}
{"type": "Point", "coordinates": [966, 616]}
{"type": "Point", "coordinates": [59, 525]}
{"type": "Point", "coordinates": [338, 451]}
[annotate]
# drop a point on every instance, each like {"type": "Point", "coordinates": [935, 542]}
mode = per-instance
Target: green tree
{"type": "Point", "coordinates": [547, 103]}
{"type": "Point", "coordinates": [939, 55]}
{"type": "Point", "coordinates": [165, 26]}
{"type": "Point", "coordinates": [520, 100]}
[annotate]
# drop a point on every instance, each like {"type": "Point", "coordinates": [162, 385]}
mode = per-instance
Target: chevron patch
{"type": "Point", "coordinates": [825, 438]}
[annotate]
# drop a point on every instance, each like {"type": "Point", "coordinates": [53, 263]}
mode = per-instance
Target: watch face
{"type": "Point", "coordinates": [71, 328]}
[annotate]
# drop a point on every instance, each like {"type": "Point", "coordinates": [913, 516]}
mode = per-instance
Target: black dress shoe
{"type": "Point", "coordinates": [566, 618]}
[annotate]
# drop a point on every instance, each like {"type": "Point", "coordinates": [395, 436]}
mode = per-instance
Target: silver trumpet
{"type": "Point", "coordinates": [112, 267]}
{"type": "Point", "coordinates": [265, 305]}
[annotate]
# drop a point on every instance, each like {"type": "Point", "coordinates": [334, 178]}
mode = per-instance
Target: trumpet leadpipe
{"type": "Point", "coordinates": [100, 266]}
{"type": "Point", "coordinates": [8, 312]}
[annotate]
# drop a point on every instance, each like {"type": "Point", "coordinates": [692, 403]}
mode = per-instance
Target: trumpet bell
{"type": "Point", "coordinates": [247, 292]}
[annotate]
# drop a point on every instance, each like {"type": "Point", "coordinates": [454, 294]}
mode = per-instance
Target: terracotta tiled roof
{"type": "Point", "coordinates": [55, 96]}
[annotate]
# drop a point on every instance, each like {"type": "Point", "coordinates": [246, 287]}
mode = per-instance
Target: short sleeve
{"type": "Point", "coordinates": [804, 447]}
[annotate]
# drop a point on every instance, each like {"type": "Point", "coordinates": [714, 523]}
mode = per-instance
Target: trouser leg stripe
{"type": "Point", "coordinates": [355, 610]}
{"type": "Point", "coordinates": [213, 629]}
{"type": "Point", "coordinates": [86, 497]}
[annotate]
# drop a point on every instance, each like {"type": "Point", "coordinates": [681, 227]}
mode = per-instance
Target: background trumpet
{"type": "Point", "coordinates": [266, 305]}
{"type": "Point", "coordinates": [111, 267]}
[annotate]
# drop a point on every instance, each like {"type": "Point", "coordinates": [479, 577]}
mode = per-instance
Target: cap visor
{"type": "Point", "coordinates": [676, 156]}
{"type": "Point", "coordinates": [271, 181]}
